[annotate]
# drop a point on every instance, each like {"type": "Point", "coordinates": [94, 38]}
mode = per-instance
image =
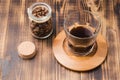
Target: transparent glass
{"type": "Point", "coordinates": [81, 28]}
{"type": "Point", "coordinates": [40, 25]}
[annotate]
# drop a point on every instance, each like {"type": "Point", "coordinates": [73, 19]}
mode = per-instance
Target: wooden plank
{"type": "Point", "coordinates": [4, 9]}
{"type": "Point", "coordinates": [10, 51]}
{"type": "Point", "coordinates": [117, 25]}
{"type": "Point", "coordinates": [112, 42]}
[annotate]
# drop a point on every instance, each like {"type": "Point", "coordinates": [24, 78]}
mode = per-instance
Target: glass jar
{"type": "Point", "coordinates": [40, 20]}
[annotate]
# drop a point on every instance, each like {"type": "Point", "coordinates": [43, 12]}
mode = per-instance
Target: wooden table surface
{"type": "Point", "coordinates": [14, 28]}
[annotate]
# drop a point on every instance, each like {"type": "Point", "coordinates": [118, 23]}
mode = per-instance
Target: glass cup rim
{"type": "Point", "coordinates": [96, 31]}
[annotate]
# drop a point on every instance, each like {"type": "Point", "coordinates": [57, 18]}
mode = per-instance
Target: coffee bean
{"type": "Point", "coordinates": [43, 9]}
{"type": "Point", "coordinates": [41, 29]}
{"type": "Point", "coordinates": [40, 11]}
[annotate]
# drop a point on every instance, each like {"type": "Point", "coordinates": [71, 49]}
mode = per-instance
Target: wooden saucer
{"type": "Point", "coordinates": [79, 63]}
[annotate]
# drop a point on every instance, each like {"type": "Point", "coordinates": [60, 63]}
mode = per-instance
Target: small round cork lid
{"type": "Point", "coordinates": [26, 50]}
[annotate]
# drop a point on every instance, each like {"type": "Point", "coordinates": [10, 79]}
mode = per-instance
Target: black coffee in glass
{"type": "Point", "coordinates": [81, 32]}
{"type": "Point", "coordinates": [81, 28]}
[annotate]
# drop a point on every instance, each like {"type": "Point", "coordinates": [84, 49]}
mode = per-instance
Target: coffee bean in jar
{"type": "Point", "coordinates": [40, 20]}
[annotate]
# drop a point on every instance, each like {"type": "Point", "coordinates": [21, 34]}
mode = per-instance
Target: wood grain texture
{"type": "Point", "coordinates": [14, 28]}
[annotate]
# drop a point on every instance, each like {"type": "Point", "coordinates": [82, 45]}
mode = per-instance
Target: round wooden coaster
{"type": "Point", "coordinates": [79, 63]}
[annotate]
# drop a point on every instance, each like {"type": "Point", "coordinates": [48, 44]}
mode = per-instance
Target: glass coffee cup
{"type": "Point", "coordinates": [81, 28]}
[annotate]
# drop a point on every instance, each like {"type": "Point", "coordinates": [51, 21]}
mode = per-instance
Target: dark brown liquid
{"type": "Point", "coordinates": [81, 32]}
